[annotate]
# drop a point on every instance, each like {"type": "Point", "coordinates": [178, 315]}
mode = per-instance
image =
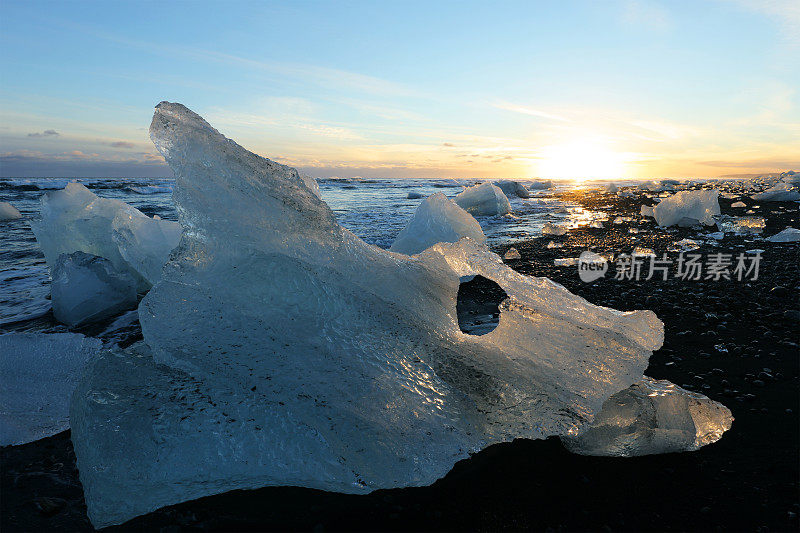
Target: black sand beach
{"type": "Point", "coordinates": [734, 341]}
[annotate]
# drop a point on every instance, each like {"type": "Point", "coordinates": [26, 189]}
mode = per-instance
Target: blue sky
{"type": "Point", "coordinates": [633, 88]}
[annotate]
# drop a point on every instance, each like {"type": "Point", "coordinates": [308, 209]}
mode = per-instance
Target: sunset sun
{"type": "Point", "coordinates": [581, 159]}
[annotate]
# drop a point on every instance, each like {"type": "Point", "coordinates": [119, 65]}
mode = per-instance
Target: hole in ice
{"type": "Point", "coordinates": [478, 305]}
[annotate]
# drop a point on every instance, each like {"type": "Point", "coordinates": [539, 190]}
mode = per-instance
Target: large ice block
{"type": "Point", "coordinates": [437, 219]}
{"type": "Point", "coordinates": [38, 373]}
{"type": "Point", "coordinates": [280, 349]}
{"type": "Point", "coordinates": [484, 199]}
{"type": "Point", "coordinates": [75, 219]}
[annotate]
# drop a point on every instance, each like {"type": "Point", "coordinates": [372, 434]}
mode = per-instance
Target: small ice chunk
{"type": "Point", "coordinates": [540, 185]}
{"type": "Point", "coordinates": [620, 220]}
{"type": "Point", "coordinates": [552, 229]}
{"type": "Point", "coordinates": [414, 195]}
{"type": "Point", "coordinates": [612, 188]}
{"type": "Point", "coordinates": [87, 288]}
{"type": "Point", "coordinates": [647, 211]}
{"type": "Point", "coordinates": [8, 212]}
{"type": "Point", "coordinates": [782, 192]}
{"type": "Point", "coordinates": [512, 254]}
{"type": "Point", "coordinates": [641, 251]}
{"type": "Point", "coordinates": [684, 245]}
{"type": "Point", "coordinates": [553, 244]}
{"type": "Point", "coordinates": [754, 251]}
{"type": "Point", "coordinates": [717, 235]}
{"type": "Point", "coordinates": [633, 230]}
{"type": "Point", "coordinates": [787, 235]}
{"type": "Point", "coordinates": [652, 416]}
{"type": "Point", "coordinates": [484, 199]}
{"type": "Point", "coordinates": [738, 204]}
{"type": "Point", "coordinates": [515, 188]}
{"type": "Point", "coordinates": [699, 206]}
{"type": "Point", "coordinates": [437, 219]}
{"type": "Point", "coordinates": [596, 224]}
{"type": "Point", "coordinates": [566, 262]}
{"type": "Point", "coordinates": [39, 372]}
{"type": "Point", "coordinates": [740, 225]}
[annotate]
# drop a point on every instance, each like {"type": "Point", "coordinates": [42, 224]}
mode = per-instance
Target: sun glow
{"type": "Point", "coordinates": [581, 159]}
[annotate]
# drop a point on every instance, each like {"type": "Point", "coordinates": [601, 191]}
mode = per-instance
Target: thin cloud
{"type": "Point", "coordinates": [45, 133]}
{"type": "Point", "coordinates": [122, 144]}
{"type": "Point", "coordinates": [529, 111]}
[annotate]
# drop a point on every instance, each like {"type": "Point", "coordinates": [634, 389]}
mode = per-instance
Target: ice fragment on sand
{"type": "Point", "coordinates": [740, 225]}
{"type": "Point", "coordinates": [652, 416]}
{"type": "Point", "coordinates": [738, 204]}
{"type": "Point", "coordinates": [684, 245]}
{"type": "Point", "coordinates": [87, 288]}
{"type": "Point", "coordinates": [646, 211]}
{"type": "Point", "coordinates": [484, 199]}
{"type": "Point", "coordinates": [512, 254]}
{"type": "Point", "coordinates": [39, 372]}
{"type": "Point", "coordinates": [782, 192]}
{"type": "Point", "coordinates": [437, 219]}
{"type": "Point", "coordinates": [687, 208]}
{"type": "Point", "coordinates": [565, 262]}
{"type": "Point", "coordinates": [552, 229]}
{"type": "Point", "coordinates": [8, 212]}
{"type": "Point", "coordinates": [786, 235]}
{"type": "Point", "coordinates": [286, 351]}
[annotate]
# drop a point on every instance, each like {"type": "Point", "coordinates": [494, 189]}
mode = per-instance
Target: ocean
{"type": "Point", "coordinates": [374, 209]}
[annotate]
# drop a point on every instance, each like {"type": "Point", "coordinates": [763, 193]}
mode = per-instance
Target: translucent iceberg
{"type": "Point", "coordinates": [647, 211]}
{"type": "Point", "coordinates": [39, 372]}
{"type": "Point", "coordinates": [687, 208]}
{"type": "Point", "coordinates": [87, 288]}
{"type": "Point", "coordinates": [484, 199]}
{"type": "Point", "coordinates": [75, 219]}
{"type": "Point", "coordinates": [8, 212]}
{"type": "Point", "coordinates": [512, 254]}
{"type": "Point", "coordinates": [786, 235]}
{"type": "Point", "coordinates": [652, 416]}
{"type": "Point", "coordinates": [437, 219]}
{"type": "Point", "coordinates": [611, 188]}
{"type": "Point", "coordinates": [143, 242]}
{"type": "Point", "coordinates": [413, 195]}
{"type": "Point", "coordinates": [782, 192]}
{"type": "Point", "coordinates": [514, 188]}
{"type": "Point", "coordinates": [283, 350]}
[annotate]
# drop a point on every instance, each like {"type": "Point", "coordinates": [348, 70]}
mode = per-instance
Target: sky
{"type": "Point", "coordinates": [583, 89]}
